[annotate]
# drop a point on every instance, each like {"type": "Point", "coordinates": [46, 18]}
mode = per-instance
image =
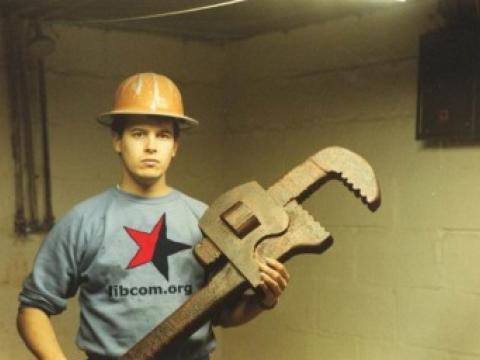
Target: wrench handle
{"type": "Point", "coordinates": [196, 311]}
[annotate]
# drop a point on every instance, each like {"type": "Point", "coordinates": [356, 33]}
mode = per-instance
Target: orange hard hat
{"type": "Point", "coordinates": [148, 94]}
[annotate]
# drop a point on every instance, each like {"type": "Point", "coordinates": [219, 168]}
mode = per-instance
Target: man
{"type": "Point", "coordinates": [128, 250]}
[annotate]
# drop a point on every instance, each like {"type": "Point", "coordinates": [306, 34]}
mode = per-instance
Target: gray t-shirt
{"type": "Point", "coordinates": [131, 260]}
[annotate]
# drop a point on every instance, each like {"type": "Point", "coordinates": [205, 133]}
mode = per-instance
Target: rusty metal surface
{"type": "Point", "coordinates": [303, 235]}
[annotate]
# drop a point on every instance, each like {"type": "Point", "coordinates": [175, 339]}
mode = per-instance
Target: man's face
{"type": "Point", "coordinates": [146, 147]}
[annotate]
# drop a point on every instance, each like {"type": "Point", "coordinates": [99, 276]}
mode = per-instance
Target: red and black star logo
{"type": "Point", "coordinates": [155, 247]}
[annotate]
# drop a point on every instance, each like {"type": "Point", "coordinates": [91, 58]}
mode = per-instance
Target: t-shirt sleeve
{"type": "Point", "coordinates": [54, 277]}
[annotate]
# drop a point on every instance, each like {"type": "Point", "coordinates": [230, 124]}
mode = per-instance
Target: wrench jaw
{"type": "Point", "coordinates": [372, 203]}
{"type": "Point", "coordinates": [305, 235]}
{"type": "Point", "coordinates": [329, 163]}
{"type": "Point", "coordinates": [355, 172]}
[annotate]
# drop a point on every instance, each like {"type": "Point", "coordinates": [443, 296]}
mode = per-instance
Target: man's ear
{"type": "Point", "coordinates": [116, 142]}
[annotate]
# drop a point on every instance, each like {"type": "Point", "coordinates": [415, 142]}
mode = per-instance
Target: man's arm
{"type": "Point", "coordinates": [274, 281]}
{"type": "Point", "coordinates": [37, 332]}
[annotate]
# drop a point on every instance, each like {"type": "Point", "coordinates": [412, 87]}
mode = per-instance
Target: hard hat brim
{"type": "Point", "coordinates": [184, 122]}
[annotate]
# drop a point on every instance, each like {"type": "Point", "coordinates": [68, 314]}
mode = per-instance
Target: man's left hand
{"type": "Point", "coordinates": [275, 279]}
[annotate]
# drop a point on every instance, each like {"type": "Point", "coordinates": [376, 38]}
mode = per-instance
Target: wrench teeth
{"type": "Point", "coordinates": [304, 225]}
{"type": "Point", "coordinates": [354, 187]}
{"type": "Point", "coordinates": [355, 184]}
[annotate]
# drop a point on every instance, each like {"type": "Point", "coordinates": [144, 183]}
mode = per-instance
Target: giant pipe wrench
{"type": "Point", "coordinates": [248, 222]}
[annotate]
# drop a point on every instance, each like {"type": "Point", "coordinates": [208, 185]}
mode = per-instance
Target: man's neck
{"type": "Point", "coordinates": [156, 189]}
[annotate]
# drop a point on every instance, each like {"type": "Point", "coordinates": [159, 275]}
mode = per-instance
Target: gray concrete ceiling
{"type": "Point", "coordinates": [240, 19]}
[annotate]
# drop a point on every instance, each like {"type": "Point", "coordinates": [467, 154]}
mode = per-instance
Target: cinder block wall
{"type": "Point", "coordinates": [399, 284]}
{"type": "Point", "coordinates": [81, 77]}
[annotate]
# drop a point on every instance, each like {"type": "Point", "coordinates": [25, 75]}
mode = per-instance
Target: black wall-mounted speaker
{"type": "Point", "coordinates": [448, 103]}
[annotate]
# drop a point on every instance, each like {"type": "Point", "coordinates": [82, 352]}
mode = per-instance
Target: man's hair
{"type": "Point", "coordinates": [119, 122]}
